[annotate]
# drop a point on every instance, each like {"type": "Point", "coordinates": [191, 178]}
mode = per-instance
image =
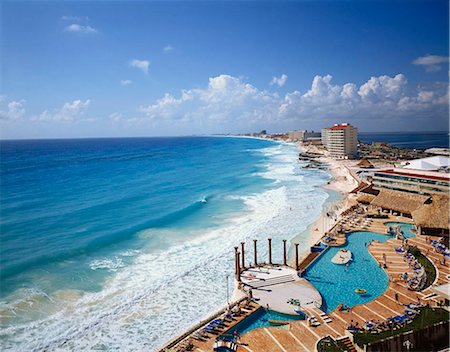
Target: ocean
{"type": "Point", "coordinates": [121, 244]}
{"type": "Point", "coordinates": [417, 140]}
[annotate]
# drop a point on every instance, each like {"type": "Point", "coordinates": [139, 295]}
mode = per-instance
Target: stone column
{"type": "Point", "coordinates": [296, 256]}
{"type": "Point", "coordinates": [270, 250]}
{"type": "Point", "coordinates": [284, 253]}
{"type": "Point", "coordinates": [255, 252]}
{"type": "Point", "coordinates": [238, 267]}
{"type": "Point", "coordinates": [243, 255]}
{"type": "Point", "coordinates": [236, 261]}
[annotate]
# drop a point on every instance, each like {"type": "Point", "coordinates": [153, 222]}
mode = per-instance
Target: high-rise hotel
{"type": "Point", "coordinates": [341, 141]}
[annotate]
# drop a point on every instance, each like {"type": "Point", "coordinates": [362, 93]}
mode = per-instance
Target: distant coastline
{"type": "Point", "coordinates": [418, 140]}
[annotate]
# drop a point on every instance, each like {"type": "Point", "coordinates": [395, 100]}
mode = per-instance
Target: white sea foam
{"type": "Point", "coordinates": [130, 253]}
{"type": "Point", "coordinates": [164, 292]}
{"type": "Point", "coordinates": [109, 264]}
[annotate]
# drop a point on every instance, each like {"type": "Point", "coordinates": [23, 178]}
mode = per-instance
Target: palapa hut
{"type": "Point", "coordinates": [365, 164]}
{"type": "Point", "coordinates": [402, 202]}
{"type": "Point", "coordinates": [433, 217]}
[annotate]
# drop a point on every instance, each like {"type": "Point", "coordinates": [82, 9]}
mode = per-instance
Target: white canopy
{"type": "Point", "coordinates": [432, 163]}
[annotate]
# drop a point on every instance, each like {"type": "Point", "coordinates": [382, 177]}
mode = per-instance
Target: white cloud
{"type": "Point", "coordinates": [142, 65]}
{"type": "Point", "coordinates": [69, 112]}
{"type": "Point", "coordinates": [168, 48]}
{"type": "Point", "coordinates": [14, 109]}
{"type": "Point", "coordinates": [116, 116]}
{"type": "Point", "coordinates": [78, 28]}
{"type": "Point", "coordinates": [228, 103]}
{"type": "Point", "coordinates": [279, 81]}
{"type": "Point", "coordinates": [432, 63]}
{"type": "Point", "coordinates": [125, 82]}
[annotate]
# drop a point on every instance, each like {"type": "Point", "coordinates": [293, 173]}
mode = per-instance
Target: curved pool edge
{"type": "Point", "coordinates": [384, 269]}
{"type": "Point", "coordinates": [385, 274]}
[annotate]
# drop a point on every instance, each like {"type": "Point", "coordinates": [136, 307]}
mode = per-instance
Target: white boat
{"type": "Point", "coordinates": [342, 257]}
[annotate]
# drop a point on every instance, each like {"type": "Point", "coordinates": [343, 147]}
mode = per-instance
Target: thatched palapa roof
{"type": "Point", "coordinates": [365, 198]}
{"type": "Point", "coordinates": [402, 202]}
{"type": "Point", "coordinates": [360, 186]}
{"type": "Point", "coordinates": [434, 215]}
{"type": "Point", "coordinates": [370, 190]}
{"type": "Point", "coordinates": [364, 163]}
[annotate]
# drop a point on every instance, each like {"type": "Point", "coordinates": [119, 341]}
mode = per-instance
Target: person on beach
{"type": "Point", "coordinates": [396, 297]}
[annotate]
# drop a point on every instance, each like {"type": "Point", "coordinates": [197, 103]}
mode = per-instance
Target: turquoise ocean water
{"type": "Point", "coordinates": [124, 243]}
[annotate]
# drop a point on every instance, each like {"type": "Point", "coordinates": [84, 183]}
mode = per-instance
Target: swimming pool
{"type": "Point", "coordinates": [337, 283]}
{"type": "Point", "coordinates": [260, 319]}
{"type": "Point", "coordinates": [406, 228]}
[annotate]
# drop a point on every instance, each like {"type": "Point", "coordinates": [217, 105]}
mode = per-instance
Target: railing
{"type": "Point", "coordinates": [172, 343]}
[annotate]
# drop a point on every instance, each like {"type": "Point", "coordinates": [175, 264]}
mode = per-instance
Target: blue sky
{"type": "Point", "coordinates": [110, 68]}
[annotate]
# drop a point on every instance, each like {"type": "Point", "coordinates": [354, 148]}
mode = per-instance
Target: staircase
{"type": "Point", "coordinates": [346, 341]}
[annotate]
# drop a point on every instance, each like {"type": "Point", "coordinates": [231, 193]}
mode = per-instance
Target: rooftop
{"type": "Point", "coordinates": [341, 126]}
{"type": "Point", "coordinates": [430, 163]}
{"type": "Point", "coordinates": [431, 175]}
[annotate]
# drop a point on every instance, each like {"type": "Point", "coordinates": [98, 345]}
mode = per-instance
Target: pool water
{"type": "Point", "coordinates": [337, 283]}
{"type": "Point", "coordinates": [260, 319]}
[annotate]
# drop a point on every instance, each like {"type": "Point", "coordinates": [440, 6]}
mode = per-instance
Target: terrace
{"type": "Point", "coordinates": [397, 305]}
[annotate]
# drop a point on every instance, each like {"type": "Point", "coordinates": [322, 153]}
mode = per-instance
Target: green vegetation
{"type": "Point", "coordinates": [328, 344]}
{"type": "Point", "coordinates": [430, 270]}
{"type": "Point", "coordinates": [426, 317]}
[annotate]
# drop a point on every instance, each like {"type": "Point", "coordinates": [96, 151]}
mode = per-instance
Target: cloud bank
{"type": "Point", "coordinates": [229, 101]}
{"type": "Point", "coordinates": [228, 104]}
{"type": "Point", "coordinates": [69, 112]}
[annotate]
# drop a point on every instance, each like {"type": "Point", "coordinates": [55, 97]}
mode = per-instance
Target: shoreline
{"type": "Point", "coordinates": [341, 182]}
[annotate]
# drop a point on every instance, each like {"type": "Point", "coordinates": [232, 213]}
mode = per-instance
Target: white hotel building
{"type": "Point", "coordinates": [341, 141]}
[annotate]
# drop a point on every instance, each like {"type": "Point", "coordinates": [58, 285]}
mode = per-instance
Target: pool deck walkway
{"type": "Point", "coordinates": [301, 337]}
{"type": "Point", "coordinates": [275, 286]}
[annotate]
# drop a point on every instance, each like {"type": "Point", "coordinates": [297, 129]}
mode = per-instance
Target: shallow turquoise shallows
{"type": "Point", "coordinates": [337, 283]}
{"type": "Point", "coordinates": [260, 319]}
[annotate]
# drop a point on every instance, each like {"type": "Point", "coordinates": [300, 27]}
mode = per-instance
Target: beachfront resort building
{"type": "Point", "coordinates": [303, 135]}
{"type": "Point", "coordinates": [341, 141]}
{"type": "Point", "coordinates": [412, 181]}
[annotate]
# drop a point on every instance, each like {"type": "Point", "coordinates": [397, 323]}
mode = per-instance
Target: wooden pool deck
{"type": "Point", "coordinates": [299, 336]}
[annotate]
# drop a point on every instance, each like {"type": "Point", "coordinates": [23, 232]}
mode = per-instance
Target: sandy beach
{"type": "Point", "coordinates": [343, 182]}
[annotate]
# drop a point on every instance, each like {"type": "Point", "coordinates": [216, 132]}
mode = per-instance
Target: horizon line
{"type": "Point", "coordinates": [202, 135]}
